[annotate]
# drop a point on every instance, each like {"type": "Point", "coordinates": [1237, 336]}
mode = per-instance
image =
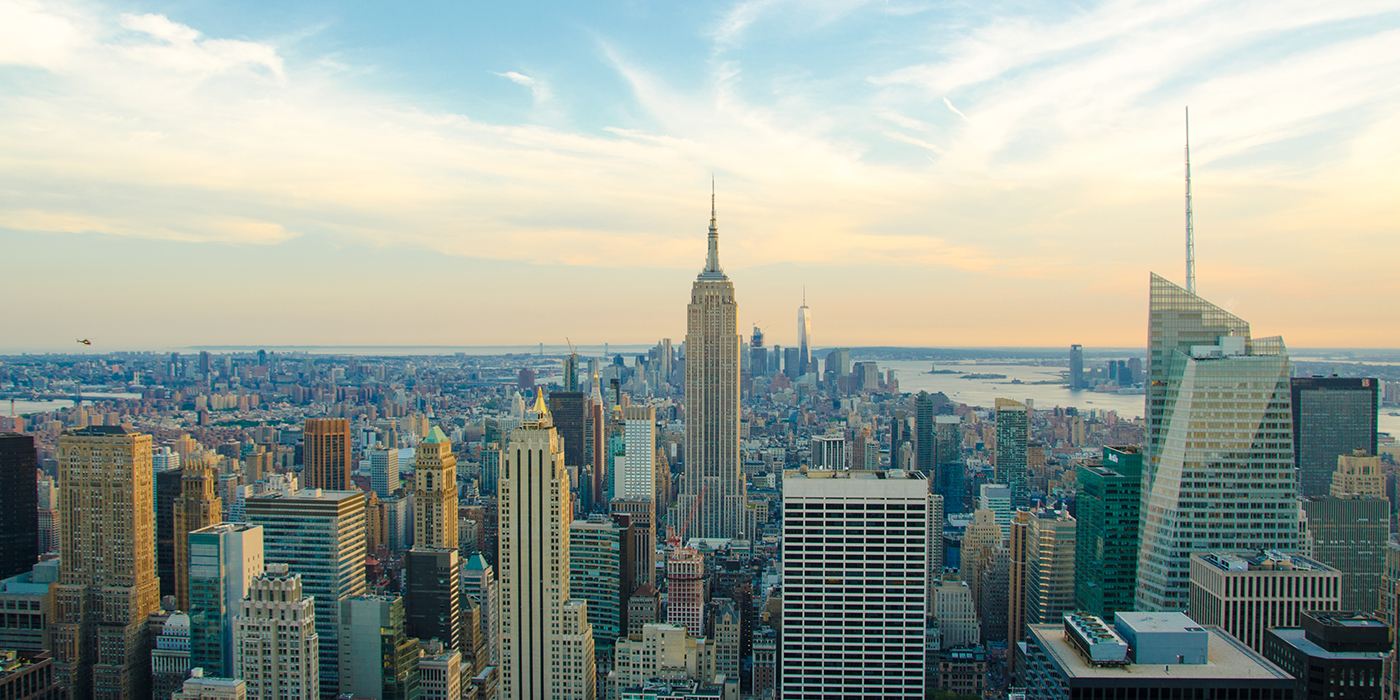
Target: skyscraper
{"type": "Point", "coordinates": [433, 588]}
{"type": "Point", "coordinates": [1219, 442]}
{"type": "Point", "coordinates": [479, 584]}
{"type": "Point", "coordinates": [197, 507]}
{"type": "Point", "coordinates": [321, 535]}
{"type": "Point", "coordinates": [276, 647]}
{"type": "Point", "coordinates": [377, 657]}
{"type": "Point", "coordinates": [1332, 417]}
{"type": "Point", "coordinates": [224, 560]}
{"type": "Point", "coordinates": [546, 641]}
{"type": "Point", "coordinates": [600, 574]}
{"type": "Point", "coordinates": [107, 580]}
{"type": "Point", "coordinates": [804, 337]}
{"type": "Point", "coordinates": [326, 454]}
{"type": "Point", "coordinates": [384, 471]}
{"type": "Point", "coordinates": [435, 493]}
{"type": "Point", "coordinates": [925, 450]}
{"type": "Point", "coordinates": [714, 485]}
{"type": "Point", "coordinates": [635, 475]}
{"type": "Point", "coordinates": [872, 644]}
{"type": "Point", "coordinates": [1349, 533]}
{"type": "Point", "coordinates": [1076, 366]}
{"type": "Point", "coordinates": [19, 496]}
{"type": "Point", "coordinates": [1013, 434]}
{"type": "Point", "coordinates": [1106, 544]}
{"type": "Point", "coordinates": [566, 408]}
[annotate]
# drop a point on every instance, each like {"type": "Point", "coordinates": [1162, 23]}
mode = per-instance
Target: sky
{"type": "Point", "coordinates": [180, 173]}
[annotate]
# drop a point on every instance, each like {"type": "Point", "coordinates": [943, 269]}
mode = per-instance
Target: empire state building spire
{"type": "Point", "coordinates": [712, 269]}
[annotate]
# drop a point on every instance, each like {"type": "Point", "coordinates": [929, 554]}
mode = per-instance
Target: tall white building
{"type": "Point", "coordinates": [713, 475]}
{"type": "Point", "coordinates": [276, 648]}
{"type": "Point", "coordinates": [384, 471]}
{"type": "Point", "coordinates": [855, 554]}
{"type": "Point", "coordinates": [1219, 443]}
{"type": "Point", "coordinates": [479, 584]}
{"type": "Point", "coordinates": [546, 641]}
{"type": "Point", "coordinates": [634, 476]}
{"type": "Point", "coordinates": [997, 498]}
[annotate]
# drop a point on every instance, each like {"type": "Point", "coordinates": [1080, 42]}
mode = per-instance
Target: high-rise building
{"type": "Point", "coordinates": [804, 338]}
{"type": "Point", "coordinates": [601, 568]}
{"type": "Point", "coordinates": [435, 493]}
{"type": "Point", "coordinates": [1020, 549]}
{"type": "Point", "coordinates": [1332, 654]}
{"type": "Point", "coordinates": [714, 483]}
{"type": "Point", "coordinates": [433, 591]}
{"type": "Point", "coordinates": [199, 506]}
{"type": "Point", "coordinates": [885, 591]}
{"type": "Point", "coordinates": [384, 471]}
{"type": "Point", "coordinates": [642, 514]}
{"type": "Point", "coordinates": [982, 535]}
{"type": "Point", "coordinates": [1013, 435]}
{"type": "Point", "coordinates": [546, 641]}
{"type": "Point", "coordinates": [997, 498]}
{"type": "Point", "coordinates": [224, 560]}
{"type": "Point", "coordinates": [326, 454]}
{"type": "Point", "coordinates": [1219, 442]}
{"type": "Point", "coordinates": [758, 355]}
{"type": "Point", "coordinates": [1076, 366]}
{"type": "Point", "coordinates": [1358, 474]}
{"type": "Point", "coordinates": [276, 649]}
{"type": "Point", "coordinates": [925, 450]}
{"type": "Point", "coordinates": [829, 451]}
{"type": "Point", "coordinates": [658, 646]}
{"type": "Point", "coordinates": [1106, 544]}
{"type": "Point", "coordinates": [19, 511]}
{"type": "Point", "coordinates": [1246, 593]}
{"type": "Point", "coordinates": [634, 476]}
{"type": "Point", "coordinates": [956, 614]}
{"type": "Point", "coordinates": [201, 687]}
{"type": "Point", "coordinates": [377, 657]}
{"type": "Point", "coordinates": [169, 486]}
{"type": "Point", "coordinates": [440, 673]}
{"type": "Point", "coordinates": [1050, 567]}
{"type": "Point", "coordinates": [566, 408]}
{"type": "Point", "coordinates": [107, 579]}
{"type": "Point", "coordinates": [321, 535]}
{"type": "Point", "coordinates": [170, 659]}
{"type": "Point", "coordinates": [479, 584]}
{"type": "Point", "coordinates": [685, 585]}
{"type": "Point", "coordinates": [1350, 534]}
{"type": "Point", "coordinates": [1332, 417]}
{"type": "Point", "coordinates": [726, 633]}
{"type": "Point", "coordinates": [569, 372]}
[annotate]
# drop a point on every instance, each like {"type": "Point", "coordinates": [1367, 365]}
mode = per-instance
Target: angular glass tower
{"type": "Point", "coordinates": [1219, 468]}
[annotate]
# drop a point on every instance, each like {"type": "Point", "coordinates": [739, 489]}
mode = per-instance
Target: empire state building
{"type": "Point", "coordinates": [712, 466]}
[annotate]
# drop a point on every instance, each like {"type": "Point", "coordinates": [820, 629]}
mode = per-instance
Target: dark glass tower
{"type": "Point", "coordinates": [567, 409]}
{"type": "Point", "coordinates": [1106, 538]}
{"type": "Point", "coordinates": [1332, 416]}
{"type": "Point", "coordinates": [923, 433]}
{"type": "Point", "coordinates": [168, 487]}
{"type": "Point", "coordinates": [19, 503]}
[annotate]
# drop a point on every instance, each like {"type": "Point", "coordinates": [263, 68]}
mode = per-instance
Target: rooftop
{"type": "Point", "coordinates": [1262, 560]}
{"type": "Point", "coordinates": [1298, 639]}
{"type": "Point", "coordinates": [1227, 658]}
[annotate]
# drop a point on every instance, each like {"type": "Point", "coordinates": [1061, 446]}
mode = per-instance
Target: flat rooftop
{"type": "Point", "coordinates": [1157, 622]}
{"type": "Point", "coordinates": [1266, 560]}
{"type": "Point", "coordinates": [1297, 638]}
{"type": "Point", "coordinates": [1226, 659]}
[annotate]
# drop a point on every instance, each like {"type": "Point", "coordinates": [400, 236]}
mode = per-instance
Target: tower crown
{"type": "Point", "coordinates": [712, 269]}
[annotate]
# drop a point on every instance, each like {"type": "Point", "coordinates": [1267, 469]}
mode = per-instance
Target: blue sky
{"type": "Point", "coordinates": [497, 173]}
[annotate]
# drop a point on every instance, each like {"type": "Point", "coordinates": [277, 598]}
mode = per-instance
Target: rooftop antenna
{"type": "Point", "coordinates": [1190, 226]}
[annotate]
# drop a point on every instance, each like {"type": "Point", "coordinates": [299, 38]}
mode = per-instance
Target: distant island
{"type": "Point", "coordinates": [984, 376]}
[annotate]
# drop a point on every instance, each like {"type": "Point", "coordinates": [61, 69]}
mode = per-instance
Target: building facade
{"type": "Point", "coordinates": [1106, 543]}
{"type": "Point", "coordinates": [19, 504]}
{"type": "Point", "coordinates": [326, 459]}
{"type": "Point", "coordinates": [1249, 592]}
{"type": "Point", "coordinates": [1332, 417]}
{"type": "Point", "coordinates": [224, 560]}
{"type": "Point", "coordinates": [435, 493]}
{"type": "Point", "coordinates": [276, 646]}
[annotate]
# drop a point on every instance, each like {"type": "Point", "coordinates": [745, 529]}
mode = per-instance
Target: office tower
{"type": "Point", "coordinates": [224, 560]}
{"type": "Point", "coordinates": [546, 642]}
{"type": "Point", "coordinates": [1332, 417]}
{"type": "Point", "coordinates": [1106, 544]}
{"type": "Point", "coordinates": [997, 498]}
{"type": "Point", "coordinates": [1172, 656]}
{"type": "Point", "coordinates": [1332, 654]}
{"type": "Point", "coordinates": [758, 355]}
{"type": "Point", "coordinates": [935, 538]}
{"type": "Point", "coordinates": [47, 516]}
{"type": "Point", "coordinates": [1350, 534]}
{"type": "Point", "coordinates": [398, 521]}
{"type": "Point", "coordinates": [1050, 567]}
{"type": "Point", "coordinates": [880, 650]}
{"type": "Point", "coordinates": [804, 338]}
{"type": "Point", "coordinates": [31, 591]}
{"type": "Point", "coordinates": [435, 493]}
{"type": "Point", "coordinates": [433, 587]}
{"type": "Point", "coordinates": [601, 566]}
{"type": "Point", "coordinates": [634, 477]}
{"type": "Point", "coordinates": [642, 513]}
{"type": "Point", "coordinates": [1219, 441]}
{"type": "Point", "coordinates": [276, 646]}
{"type": "Point", "coordinates": [1249, 592]}
{"type": "Point", "coordinates": [956, 614]}
{"type": "Point", "coordinates": [377, 657]}
{"type": "Point", "coordinates": [950, 478]}
{"type": "Point", "coordinates": [714, 485]}
{"type": "Point", "coordinates": [658, 646]}
{"type": "Point", "coordinates": [726, 632]}
{"type": "Point", "coordinates": [326, 454]}
{"type": "Point", "coordinates": [202, 687]}
{"type": "Point", "coordinates": [1076, 366]}
{"type": "Point", "coordinates": [479, 584]}
{"type": "Point", "coordinates": [320, 534]}
{"type": "Point", "coordinates": [440, 673]}
{"type": "Point", "coordinates": [19, 512]}
{"type": "Point", "coordinates": [792, 363]}
{"type": "Point", "coordinates": [107, 579]}
{"type": "Point", "coordinates": [829, 451]}
{"type": "Point", "coordinates": [384, 471]}
{"type": "Point", "coordinates": [169, 489]}
{"type": "Point", "coordinates": [598, 442]}
{"type": "Point", "coordinates": [1020, 549]}
{"type": "Point", "coordinates": [199, 506]}
{"type": "Point", "coordinates": [569, 372]}
{"type": "Point", "coordinates": [1358, 474]}
{"type": "Point", "coordinates": [981, 536]}
{"type": "Point", "coordinates": [566, 409]}
{"type": "Point", "coordinates": [170, 659]}
{"type": "Point", "coordinates": [685, 585]}
{"type": "Point", "coordinates": [1013, 434]}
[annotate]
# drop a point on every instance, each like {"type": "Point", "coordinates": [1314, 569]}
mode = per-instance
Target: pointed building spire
{"type": "Point", "coordinates": [712, 268]}
{"type": "Point", "coordinates": [1190, 225]}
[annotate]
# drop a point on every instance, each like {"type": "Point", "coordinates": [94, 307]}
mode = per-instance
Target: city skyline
{"type": "Point", "coordinates": [217, 169]}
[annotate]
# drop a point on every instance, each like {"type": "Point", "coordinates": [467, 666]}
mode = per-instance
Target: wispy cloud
{"type": "Point", "coordinates": [538, 88]}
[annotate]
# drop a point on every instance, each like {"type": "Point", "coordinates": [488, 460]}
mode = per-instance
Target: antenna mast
{"type": "Point", "coordinates": [1190, 225]}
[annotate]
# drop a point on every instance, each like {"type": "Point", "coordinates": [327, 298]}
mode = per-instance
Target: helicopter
{"type": "Point", "coordinates": [85, 341]}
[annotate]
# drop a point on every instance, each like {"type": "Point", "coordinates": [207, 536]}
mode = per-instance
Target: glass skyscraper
{"type": "Point", "coordinates": [1106, 543]}
{"type": "Point", "coordinates": [1219, 468]}
{"type": "Point", "coordinates": [1332, 416]}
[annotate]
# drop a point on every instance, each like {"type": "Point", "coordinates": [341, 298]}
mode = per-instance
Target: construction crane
{"type": "Point", "coordinates": [674, 538]}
